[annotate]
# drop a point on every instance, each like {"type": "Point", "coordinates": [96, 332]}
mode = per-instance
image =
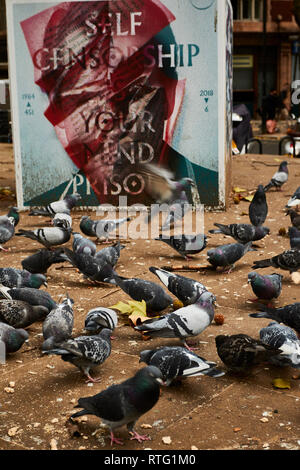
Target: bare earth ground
{"type": "Point", "coordinates": [202, 413]}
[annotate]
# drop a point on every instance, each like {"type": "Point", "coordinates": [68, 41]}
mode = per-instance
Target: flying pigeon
{"type": "Point", "coordinates": [62, 220]}
{"type": "Point", "coordinates": [279, 178]}
{"type": "Point", "coordinates": [187, 290]}
{"type": "Point", "coordinates": [295, 199]}
{"type": "Point", "coordinates": [284, 338]}
{"type": "Point", "coordinates": [295, 217]}
{"type": "Point", "coordinates": [258, 208]}
{"type": "Point", "coordinates": [240, 352]}
{"type": "Point", "coordinates": [12, 338]}
{"type": "Point", "coordinates": [29, 294]}
{"type": "Point", "coordinates": [58, 324]}
{"type": "Point", "coordinates": [242, 233]}
{"type": "Point", "coordinates": [85, 352]}
{"type": "Point", "coordinates": [7, 231]}
{"type": "Point", "coordinates": [110, 254]}
{"type": "Point", "coordinates": [99, 318]}
{"type": "Point", "coordinates": [289, 260]}
{"type": "Point", "coordinates": [14, 213]}
{"type": "Point", "coordinates": [61, 206]}
{"type": "Point", "coordinates": [124, 403]}
{"type": "Point", "coordinates": [266, 287]}
{"type": "Point", "coordinates": [185, 245]}
{"type": "Point", "coordinates": [289, 315]}
{"type": "Point", "coordinates": [176, 362]}
{"type": "Point", "coordinates": [13, 277]}
{"type": "Point", "coordinates": [83, 245]}
{"type": "Point", "coordinates": [40, 261]}
{"type": "Point", "coordinates": [153, 294]}
{"type": "Point", "coordinates": [227, 255]}
{"type": "Point", "coordinates": [294, 235]}
{"type": "Point", "coordinates": [89, 266]}
{"type": "Point", "coordinates": [184, 323]}
{"type": "Point", "coordinates": [47, 236]}
{"type": "Point", "coordinates": [20, 314]}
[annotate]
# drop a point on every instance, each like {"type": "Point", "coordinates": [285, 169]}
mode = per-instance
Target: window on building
{"type": "Point", "coordinates": [247, 9]}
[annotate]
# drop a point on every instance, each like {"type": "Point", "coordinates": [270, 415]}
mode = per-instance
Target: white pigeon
{"type": "Point", "coordinates": [295, 199]}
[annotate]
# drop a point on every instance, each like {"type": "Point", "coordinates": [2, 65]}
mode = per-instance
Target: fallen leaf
{"type": "Point", "coordinates": [122, 307]}
{"type": "Point", "coordinates": [236, 189]}
{"type": "Point", "coordinates": [281, 383]}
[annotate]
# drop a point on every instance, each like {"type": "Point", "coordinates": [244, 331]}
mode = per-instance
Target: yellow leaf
{"type": "Point", "coordinates": [122, 307]}
{"type": "Point", "coordinates": [277, 159]}
{"type": "Point", "coordinates": [281, 383]}
{"type": "Point", "coordinates": [239, 190]}
{"type": "Point", "coordinates": [136, 318]}
{"type": "Point", "coordinates": [248, 198]}
{"type": "Point", "coordinates": [138, 306]}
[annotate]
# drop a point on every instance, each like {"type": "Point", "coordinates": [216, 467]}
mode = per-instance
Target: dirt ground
{"type": "Point", "coordinates": [38, 393]}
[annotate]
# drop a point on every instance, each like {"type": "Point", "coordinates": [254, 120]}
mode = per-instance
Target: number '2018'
{"type": "Point", "coordinates": [206, 92]}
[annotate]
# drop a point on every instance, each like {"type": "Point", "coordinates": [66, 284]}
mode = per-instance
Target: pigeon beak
{"type": "Point", "coordinates": [45, 283]}
{"type": "Point", "coordinates": [160, 381]}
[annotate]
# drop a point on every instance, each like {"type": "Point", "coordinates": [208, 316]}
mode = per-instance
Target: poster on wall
{"type": "Point", "coordinates": [101, 88]}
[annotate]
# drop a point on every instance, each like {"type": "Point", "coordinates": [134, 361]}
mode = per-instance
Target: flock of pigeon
{"type": "Point", "coordinates": [23, 302]}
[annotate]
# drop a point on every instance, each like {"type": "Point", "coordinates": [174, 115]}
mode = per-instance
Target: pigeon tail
{"type": "Point", "coordinates": [265, 263]}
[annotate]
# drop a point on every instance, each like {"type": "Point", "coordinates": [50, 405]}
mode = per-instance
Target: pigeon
{"type": "Point", "coordinates": [124, 403]}
{"type": "Point", "coordinates": [13, 277]}
{"type": "Point", "coordinates": [47, 236]}
{"type": "Point", "coordinates": [14, 213]}
{"type": "Point", "coordinates": [40, 261]}
{"type": "Point", "coordinates": [295, 199]}
{"type": "Point", "coordinates": [279, 178]}
{"type": "Point", "coordinates": [83, 245]}
{"type": "Point", "coordinates": [110, 254]}
{"type": "Point", "coordinates": [20, 314]}
{"type": "Point", "coordinates": [90, 267]}
{"type": "Point", "coordinates": [289, 315]}
{"type": "Point", "coordinates": [58, 324]}
{"type": "Point", "coordinates": [185, 245]}
{"type": "Point", "coordinates": [240, 352]}
{"type": "Point", "coordinates": [294, 235]}
{"type": "Point", "coordinates": [103, 227]}
{"type": "Point", "coordinates": [284, 338]}
{"type": "Point", "coordinates": [99, 318]}
{"type": "Point", "coordinates": [87, 226]}
{"type": "Point", "coordinates": [7, 231]}
{"type": "Point", "coordinates": [29, 294]}
{"type": "Point", "coordinates": [176, 362]}
{"type": "Point", "coordinates": [227, 255]}
{"type": "Point", "coordinates": [242, 233]}
{"type": "Point", "coordinates": [85, 352]}
{"type": "Point", "coordinates": [61, 206]}
{"type": "Point", "coordinates": [258, 208]}
{"type": "Point", "coordinates": [12, 338]}
{"type": "Point", "coordinates": [266, 287]}
{"type": "Point", "coordinates": [177, 210]}
{"type": "Point", "coordinates": [139, 289]}
{"type": "Point", "coordinates": [62, 220]}
{"type": "Point", "coordinates": [187, 290]}
{"type": "Point", "coordinates": [289, 260]}
{"type": "Point", "coordinates": [183, 323]}
{"type": "Point", "coordinates": [295, 218]}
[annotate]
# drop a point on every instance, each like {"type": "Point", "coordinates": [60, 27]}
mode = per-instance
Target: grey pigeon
{"type": "Point", "coordinates": [12, 338]}
{"type": "Point", "coordinates": [295, 199]}
{"type": "Point", "coordinates": [227, 255]}
{"type": "Point", "coordinates": [289, 315]}
{"type": "Point", "coordinates": [124, 403]}
{"type": "Point", "coordinates": [266, 287]}
{"type": "Point", "coordinates": [7, 231]}
{"type": "Point", "coordinates": [258, 208]}
{"type": "Point", "coordinates": [62, 220]}
{"type": "Point", "coordinates": [240, 352]}
{"type": "Point", "coordinates": [294, 236]}
{"type": "Point", "coordinates": [242, 233]}
{"type": "Point", "coordinates": [13, 277]}
{"type": "Point", "coordinates": [284, 338]}
{"type": "Point", "coordinates": [279, 178]}
{"type": "Point", "coordinates": [47, 236]}
{"type": "Point", "coordinates": [177, 210]}
{"type": "Point", "coordinates": [187, 290]}
{"type": "Point", "coordinates": [289, 260]}
{"type": "Point", "coordinates": [29, 294]}
{"type": "Point", "coordinates": [89, 266]}
{"type": "Point", "coordinates": [14, 213]}
{"type": "Point", "coordinates": [87, 226]}
{"type": "Point", "coordinates": [99, 318]}
{"type": "Point", "coordinates": [104, 227]}
{"type": "Point", "coordinates": [184, 323]}
{"type": "Point", "coordinates": [295, 217]}
{"type": "Point", "coordinates": [110, 254]}
{"type": "Point", "coordinates": [61, 206]}
{"type": "Point", "coordinates": [176, 362]}
{"type": "Point", "coordinates": [40, 261]}
{"type": "Point", "coordinates": [58, 324]}
{"type": "Point", "coordinates": [85, 352]}
{"type": "Point", "coordinates": [185, 245]}
{"type": "Point", "coordinates": [20, 314]}
{"type": "Point", "coordinates": [83, 245]}
{"type": "Point", "coordinates": [153, 294]}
